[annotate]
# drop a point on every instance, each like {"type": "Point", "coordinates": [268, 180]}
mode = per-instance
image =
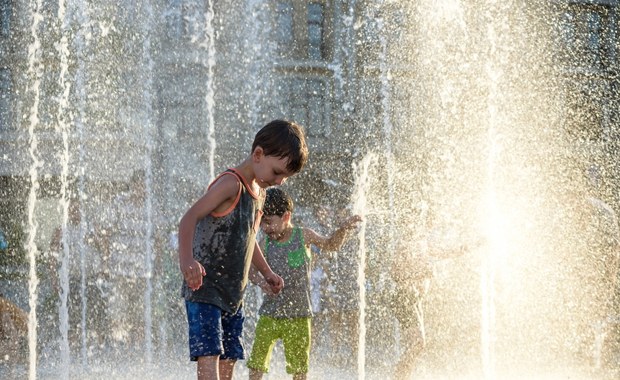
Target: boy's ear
{"type": "Point", "coordinates": [258, 153]}
{"type": "Point", "coordinates": [286, 216]}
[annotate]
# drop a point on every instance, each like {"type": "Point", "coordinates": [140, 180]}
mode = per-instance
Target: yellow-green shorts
{"type": "Point", "coordinates": [295, 335]}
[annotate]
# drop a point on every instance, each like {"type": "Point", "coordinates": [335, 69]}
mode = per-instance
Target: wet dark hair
{"type": "Point", "coordinates": [283, 139]}
{"type": "Point", "coordinates": [277, 202]}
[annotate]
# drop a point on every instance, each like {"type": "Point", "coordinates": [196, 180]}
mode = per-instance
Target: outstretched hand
{"type": "Point", "coordinates": [193, 273]}
{"type": "Point", "coordinates": [352, 222]}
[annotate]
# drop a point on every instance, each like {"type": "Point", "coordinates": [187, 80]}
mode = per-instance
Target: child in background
{"type": "Point", "coordinates": [287, 315]}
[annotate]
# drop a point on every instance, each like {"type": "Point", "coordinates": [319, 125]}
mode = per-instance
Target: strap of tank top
{"type": "Point", "coordinates": [245, 184]}
{"type": "Point", "coordinates": [232, 206]}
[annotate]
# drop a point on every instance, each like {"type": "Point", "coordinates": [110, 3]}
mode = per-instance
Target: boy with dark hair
{"type": "Point", "coordinates": [217, 245]}
{"type": "Point", "coordinates": [287, 315]}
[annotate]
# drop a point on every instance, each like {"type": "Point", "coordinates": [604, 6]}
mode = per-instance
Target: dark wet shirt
{"type": "Point", "coordinates": [224, 245]}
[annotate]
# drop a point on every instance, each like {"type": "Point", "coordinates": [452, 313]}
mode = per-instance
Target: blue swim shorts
{"type": "Point", "coordinates": [213, 332]}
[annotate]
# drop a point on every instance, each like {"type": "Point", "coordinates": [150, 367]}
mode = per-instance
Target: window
{"type": "Point", "coordinates": [185, 19]}
{"type": "Point", "coordinates": [300, 29]}
{"type": "Point", "coordinates": [5, 99]}
{"type": "Point", "coordinates": [585, 30]}
{"type": "Point", "coordinates": [174, 19]}
{"type": "Point", "coordinates": [284, 28]}
{"type": "Point", "coordinates": [315, 31]}
{"type": "Point", "coordinates": [309, 106]}
{"type": "Point", "coordinates": [5, 17]}
{"type": "Point", "coordinates": [585, 111]}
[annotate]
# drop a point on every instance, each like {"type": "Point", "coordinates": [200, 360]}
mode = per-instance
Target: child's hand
{"type": "Point", "coordinates": [266, 288]}
{"type": "Point", "coordinates": [352, 222]}
{"type": "Point", "coordinates": [193, 273]}
{"type": "Point", "coordinates": [276, 283]}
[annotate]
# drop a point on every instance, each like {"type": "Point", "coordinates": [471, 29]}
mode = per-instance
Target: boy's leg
{"type": "Point", "coordinates": [266, 336]}
{"type": "Point", "coordinates": [226, 369]}
{"type": "Point", "coordinates": [207, 368]}
{"type": "Point", "coordinates": [232, 341]}
{"type": "Point", "coordinates": [296, 341]}
{"type": "Point", "coordinates": [205, 338]}
{"type": "Point", "coordinates": [414, 338]}
{"type": "Point", "coordinates": [413, 348]}
{"type": "Point", "coordinates": [255, 374]}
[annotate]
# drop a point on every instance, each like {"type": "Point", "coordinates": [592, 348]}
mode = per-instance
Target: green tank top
{"type": "Point", "coordinates": [292, 261]}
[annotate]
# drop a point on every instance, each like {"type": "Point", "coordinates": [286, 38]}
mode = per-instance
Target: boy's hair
{"type": "Point", "coordinates": [277, 202]}
{"type": "Point", "coordinates": [283, 139]}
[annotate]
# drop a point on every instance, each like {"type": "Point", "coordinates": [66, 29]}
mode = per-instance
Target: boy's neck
{"type": "Point", "coordinates": [245, 168]}
{"type": "Point", "coordinates": [286, 234]}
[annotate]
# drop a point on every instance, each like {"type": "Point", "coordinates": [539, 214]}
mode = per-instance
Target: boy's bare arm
{"type": "Point", "coordinates": [258, 261]}
{"type": "Point", "coordinates": [218, 197]}
{"type": "Point", "coordinates": [337, 238]}
{"type": "Point", "coordinates": [258, 280]}
{"type": "Point", "coordinates": [254, 276]}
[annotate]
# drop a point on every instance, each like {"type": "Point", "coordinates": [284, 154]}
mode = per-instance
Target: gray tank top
{"type": "Point", "coordinates": [292, 261]}
{"type": "Point", "coordinates": [224, 245]}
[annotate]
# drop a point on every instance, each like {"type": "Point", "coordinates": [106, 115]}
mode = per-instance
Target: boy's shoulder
{"type": "Point", "coordinates": [235, 180]}
{"type": "Point", "coordinates": [227, 178]}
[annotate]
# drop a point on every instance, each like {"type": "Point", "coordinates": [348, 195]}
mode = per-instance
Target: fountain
{"type": "Point", "coordinates": [457, 122]}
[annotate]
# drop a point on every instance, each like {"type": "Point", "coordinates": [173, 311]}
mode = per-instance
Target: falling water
{"type": "Point", "coordinates": [456, 123]}
{"type": "Point", "coordinates": [487, 280]}
{"type": "Point", "coordinates": [360, 189]}
{"type": "Point", "coordinates": [209, 45]}
{"type": "Point", "coordinates": [386, 111]}
{"type": "Point", "coordinates": [345, 58]}
{"type": "Point", "coordinates": [63, 127]}
{"type": "Point", "coordinates": [34, 74]}
{"type": "Point", "coordinates": [81, 247]}
{"type": "Point", "coordinates": [148, 182]}
{"type": "Point", "coordinates": [63, 275]}
{"type": "Point", "coordinates": [388, 144]}
{"type": "Point", "coordinates": [80, 79]}
{"type": "Point", "coordinates": [342, 55]}
{"type": "Point", "coordinates": [257, 45]}
{"type": "Point", "coordinates": [489, 264]}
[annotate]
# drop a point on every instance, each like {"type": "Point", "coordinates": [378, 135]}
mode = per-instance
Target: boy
{"type": "Point", "coordinates": [217, 244]}
{"type": "Point", "coordinates": [287, 315]}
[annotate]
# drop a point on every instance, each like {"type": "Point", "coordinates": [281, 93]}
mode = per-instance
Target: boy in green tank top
{"type": "Point", "coordinates": [287, 315]}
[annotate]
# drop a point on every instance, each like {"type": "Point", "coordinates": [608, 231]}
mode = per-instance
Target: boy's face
{"type": "Point", "coordinates": [274, 226]}
{"type": "Point", "coordinates": [270, 170]}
